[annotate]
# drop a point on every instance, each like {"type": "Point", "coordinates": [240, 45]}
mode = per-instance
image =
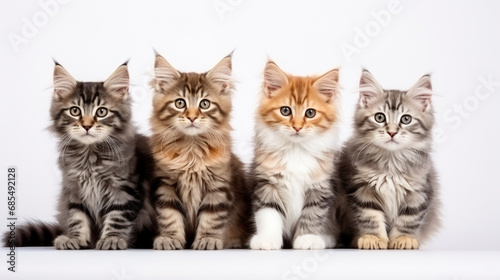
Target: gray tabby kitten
{"type": "Point", "coordinates": [105, 200]}
{"type": "Point", "coordinates": [387, 193]}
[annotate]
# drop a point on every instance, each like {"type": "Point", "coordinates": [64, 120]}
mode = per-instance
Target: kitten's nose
{"type": "Point", "coordinates": [86, 127]}
{"type": "Point", "coordinates": [192, 119]}
{"type": "Point", "coordinates": [392, 133]}
{"type": "Point", "coordinates": [297, 128]}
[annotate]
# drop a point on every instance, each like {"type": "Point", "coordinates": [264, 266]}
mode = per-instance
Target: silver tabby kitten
{"type": "Point", "coordinates": [105, 199]}
{"type": "Point", "coordinates": [387, 192]}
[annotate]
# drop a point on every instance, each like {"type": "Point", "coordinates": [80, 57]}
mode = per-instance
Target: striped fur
{"type": "Point", "coordinates": [292, 194]}
{"type": "Point", "coordinates": [201, 198]}
{"type": "Point", "coordinates": [105, 200]}
{"type": "Point", "coordinates": [388, 186]}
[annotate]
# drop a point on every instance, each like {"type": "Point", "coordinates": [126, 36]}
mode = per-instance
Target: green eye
{"type": "Point", "coordinates": [102, 112]}
{"type": "Point", "coordinates": [180, 103]}
{"type": "Point", "coordinates": [285, 111]}
{"type": "Point", "coordinates": [310, 113]}
{"type": "Point", "coordinates": [406, 119]}
{"type": "Point", "coordinates": [379, 117]}
{"type": "Point", "coordinates": [205, 104]}
{"type": "Point", "coordinates": [74, 111]}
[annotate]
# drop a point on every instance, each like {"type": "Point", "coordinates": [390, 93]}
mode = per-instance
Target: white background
{"type": "Point", "coordinates": [456, 41]}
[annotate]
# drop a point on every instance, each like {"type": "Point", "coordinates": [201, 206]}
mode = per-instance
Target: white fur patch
{"type": "Point", "coordinates": [269, 230]}
{"type": "Point", "coordinates": [309, 242]}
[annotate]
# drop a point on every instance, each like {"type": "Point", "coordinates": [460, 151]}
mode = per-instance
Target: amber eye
{"type": "Point", "coordinates": [102, 112]}
{"type": "Point", "coordinates": [74, 111]}
{"type": "Point", "coordinates": [406, 119]}
{"type": "Point", "coordinates": [379, 117]}
{"type": "Point", "coordinates": [285, 111]}
{"type": "Point", "coordinates": [180, 103]}
{"type": "Point", "coordinates": [205, 104]}
{"type": "Point", "coordinates": [310, 113]}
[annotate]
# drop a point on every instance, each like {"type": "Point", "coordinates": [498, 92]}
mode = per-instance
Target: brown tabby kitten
{"type": "Point", "coordinates": [201, 198]}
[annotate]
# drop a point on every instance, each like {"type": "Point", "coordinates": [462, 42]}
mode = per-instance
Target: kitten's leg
{"type": "Point", "coordinates": [78, 231]}
{"type": "Point", "coordinates": [119, 216]}
{"type": "Point", "coordinates": [404, 233]}
{"type": "Point", "coordinates": [269, 212]}
{"type": "Point", "coordinates": [311, 225]}
{"type": "Point", "coordinates": [370, 222]}
{"type": "Point", "coordinates": [170, 215]}
{"type": "Point", "coordinates": [213, 216]}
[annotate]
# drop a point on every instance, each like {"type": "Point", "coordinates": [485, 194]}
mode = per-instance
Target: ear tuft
{"type": "Point", "coordinates": [274, 78]}
{"type": "Point", "coordinates": [118, 83]}
{"type": "Point", "coordinates": [220, 75]}
{"type": "Point", "coordinates": [165, 74]}
{"type": "Point", "coordinates": [64, 83]}
{"type": "Point", "coordinates": [369, 89]}
{"type": "Point", "coordinates": [328, 84]}
{"type": "Point", "coordinates": [422, 92]}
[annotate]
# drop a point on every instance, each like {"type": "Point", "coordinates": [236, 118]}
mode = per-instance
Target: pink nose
{"type": "Point", "coordinates": [192, 119]}
{"type": "Point", "coordinates": [391, 133]}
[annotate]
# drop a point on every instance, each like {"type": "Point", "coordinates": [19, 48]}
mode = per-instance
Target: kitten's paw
{"type": "Point", "coordinates": [404, 242]}
{"type": "Point", "coordinates": [371, 242]}
{"type": "Point", "coordinates": [261, 242]}
{"type": "Point", "coordinates": [63, 242]}
{"type": "Point", "coordinates": [111, 243]}
{"type": "Point", "coordinates": [207, 243]}
{"type": "Point", "coordinates": [309, 242]}
{"type": "Point", "coordinates": [168, 243]}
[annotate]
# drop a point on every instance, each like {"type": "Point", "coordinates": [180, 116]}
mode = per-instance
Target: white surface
{"type": "Point", "coordinates": [47, 263]}
{"type": "Point", "coordinates": [457, 42]}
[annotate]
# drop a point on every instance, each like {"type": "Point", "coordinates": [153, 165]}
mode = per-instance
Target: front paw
{"type": "Point", "coordinates": [111, 243]}
{"type": "Point", "coordinates": [262, 242]}
{"type": "Point", "coordinates": [309, 242]}
{"type": "Point", "coordinates": [207, 243]}
{"type": "Point", "coordinates": [371, 242]}
{"type": "Point", "coordinates": [63, 242]}
{"type": "Point", "coordinates": [168, 243]}
{"type": "Point", "coordinates": [404, 242]}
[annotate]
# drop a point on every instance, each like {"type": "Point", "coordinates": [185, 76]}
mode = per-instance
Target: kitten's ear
{"type": "Point", "coordinates": [117, 84]}
{"type": "Point", "coordinates": [64, 83]}
{"type": "Point", "coordinates": [165, 74]}
{"type": "Point", "coordinates": [422, 92]}
{"type": "Point", "coordinates": [369, 89]}
{"type": "Point", "coordinates": [328, 84]}
{"type": "Point", "coordinates": [220, 75]}
{"type": "Point", "coordinates": [274, 78]}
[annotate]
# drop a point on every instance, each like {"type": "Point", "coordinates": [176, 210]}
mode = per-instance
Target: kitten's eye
{"type": "Point", "coordinates": [379, 117]}
{"type": "Point", "coordinates": [286, 111]}
{"type": "Point", "coordinates": [180, 103]}
{"type": "Point", "coordinates": [102, 112]}
{"type": "Point", "coordinates": [74, 111]}
{"type": "Point", "coordinates": [205, 104]}
{"type": "Point", "coordinates": [406, 119]}
{"type": "Point", "coordinates": [310, 113]}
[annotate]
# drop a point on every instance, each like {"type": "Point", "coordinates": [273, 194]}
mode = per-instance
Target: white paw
{"type": "Point", "coordinates": [309, 242]}
{"type": "Point", "coordinates": [262, 242]}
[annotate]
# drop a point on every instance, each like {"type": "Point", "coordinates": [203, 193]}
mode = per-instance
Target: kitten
{"type": "Point", "coordinates": [201, 199]}
{"type": "Point", "coordinates": [105, 201]}
{"type": "Point", "coordinates": [296, 140]}
{"type": "Point", "coordinates": [388, 188]}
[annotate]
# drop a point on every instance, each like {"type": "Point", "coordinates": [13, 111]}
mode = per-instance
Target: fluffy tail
{"type": "Point", "coordinates": [32, 234]}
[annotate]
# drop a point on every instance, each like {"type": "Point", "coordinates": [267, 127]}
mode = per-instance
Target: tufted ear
{"type": "Point", "coordinates": [118, 83]}
{"type": "Point", "coordinates": [328, 84]}
{"type": "Point", "coordinates": [220, 75]}
{"type": "Point", "coordinates": [165, 74]}
{"type": "Point", "coordinates": [369, 89]}
{"type": "Point", "coordinates": [64, 83]}
{"type": "Point", "coordinates": [274, 78]}
{"type": "Point", "coordinates": [421, 92]}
